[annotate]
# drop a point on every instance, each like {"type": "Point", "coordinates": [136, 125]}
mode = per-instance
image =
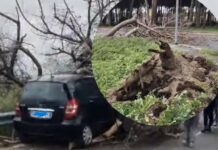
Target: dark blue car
{"type": "Point", "coordinates": [63, 106]}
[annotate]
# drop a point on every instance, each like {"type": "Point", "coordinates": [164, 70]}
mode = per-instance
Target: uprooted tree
{"type": "Point", "coordinates": [166, 74]}
{"type": "Point", "coordinates": [176, 85]}
{"type": "Point", "coordinates": [175, 81]}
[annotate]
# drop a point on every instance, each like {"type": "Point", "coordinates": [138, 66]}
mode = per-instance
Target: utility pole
{"type": "Point", "coordinates": [177, 22]}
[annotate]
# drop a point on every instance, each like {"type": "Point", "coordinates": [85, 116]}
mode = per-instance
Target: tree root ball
{"type": "Point", "coordinates": [167, 89]}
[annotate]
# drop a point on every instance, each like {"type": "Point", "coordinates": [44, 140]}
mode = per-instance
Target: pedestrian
{"type": "Point", "coordinates": [216, 111]}
{"type": "Point", "coordinates": [190, 127]}
{"type": "Point", "coordinates": [209, 115]}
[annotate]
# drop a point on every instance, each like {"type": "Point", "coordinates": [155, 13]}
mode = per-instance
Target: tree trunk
{"type": "Point", "coordinates": [130, 9]}
{"type": "Point", "coordinates": [119, 26]}
{"type": "Point", "coordinates": [116, 16]}
{"type": "Point", "coordinates": [112, 17]}
{"type": "Point", "coordinates": [204, 16]}
{"type": "Point", "coordinates": [147, 10]}
{"type": "Point", "coordinates": [154, 12]}
{"type": "Point", "coordinates": [83, 60]}
{"type": "Point", "coordinates": [209, 18]}
{"type": "Point", "coordinates": [198, 14]}
{"type": "Point", "coordinates": [191, 9]}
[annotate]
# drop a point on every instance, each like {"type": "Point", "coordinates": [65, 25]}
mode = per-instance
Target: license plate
{"type": "Point", "coordinates": [41, 114]}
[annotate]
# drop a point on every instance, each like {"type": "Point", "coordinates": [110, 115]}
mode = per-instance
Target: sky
{"type": "Point", "coordinates": [211, 5]}
{"type": "Point", "coordinates": [40, 45]}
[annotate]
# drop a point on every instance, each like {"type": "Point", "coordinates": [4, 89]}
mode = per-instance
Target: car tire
{"type": "Point", "coordinates": [85, 137]}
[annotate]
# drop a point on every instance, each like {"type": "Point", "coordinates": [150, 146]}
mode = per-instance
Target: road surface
{"type": "Point", "coordinates": [207, 141]}
{"type": "Point", "coordinates": [203, 142]}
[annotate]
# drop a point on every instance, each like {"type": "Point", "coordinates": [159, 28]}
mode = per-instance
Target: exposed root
{"type": "Point", "coordinates": [166, 74]}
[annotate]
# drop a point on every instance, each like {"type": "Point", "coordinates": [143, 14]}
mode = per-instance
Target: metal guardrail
{"type": "Point", "coordinates": [6, 118]}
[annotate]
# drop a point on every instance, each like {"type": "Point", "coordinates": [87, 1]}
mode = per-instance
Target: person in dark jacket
{"type": "Point", "coordinates": [208, 115]}
{"type": "Point", "coordinates": [216, 112]}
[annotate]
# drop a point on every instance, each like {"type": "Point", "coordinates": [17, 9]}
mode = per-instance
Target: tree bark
{"type": "Point", "coordinates": [204, 16]}
{"type": "Point", "coordinates": [154, 12]}
{"type": "Point", "coordinates": [119, 26]}
{"type": "Point", "coordinates": [198, 14]}
{"type": "Point", "coordinates": [130, 10]}
{"type": "Point", "coordinates": [209, 18]}
{"type": "Point", "coordinates": [147, 10]}
{"type": "Point", "coordinates": [83, 62]}
{"type": "Point", "coordinates": [191, 9]}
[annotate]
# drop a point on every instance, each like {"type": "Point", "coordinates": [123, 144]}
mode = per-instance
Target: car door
{"type": "Point", "coordinates": [101, 109]}
{"type": "Point", "coordinates": [81, 93]}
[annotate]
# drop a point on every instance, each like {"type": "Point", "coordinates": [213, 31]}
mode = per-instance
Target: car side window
{"type": "Point", "coordinates": [87, 88]}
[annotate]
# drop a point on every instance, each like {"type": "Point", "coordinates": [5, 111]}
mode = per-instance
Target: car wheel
{"type": "Point", "coordinates": [85, 137]}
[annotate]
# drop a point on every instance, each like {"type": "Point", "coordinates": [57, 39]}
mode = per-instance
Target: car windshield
{"type": "Point", "coordinates": [44, 90]}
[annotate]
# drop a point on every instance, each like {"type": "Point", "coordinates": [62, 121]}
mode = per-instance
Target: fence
{"type": "Point", "coordinates": [6, 118]}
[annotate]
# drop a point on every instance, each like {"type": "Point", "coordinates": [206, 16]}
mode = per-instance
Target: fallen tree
{"type": "Point", "coordinates": [164, 91]}
{"type": "Point", "coordinates": [169, 84]}
{"type": "Point", "coordinates": [136, 26]}
{"type": "Point", "coordinates": [167, 75]}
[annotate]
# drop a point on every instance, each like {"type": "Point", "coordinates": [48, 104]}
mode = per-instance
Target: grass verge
{"type": "Point", "coordinates": [115, 58]}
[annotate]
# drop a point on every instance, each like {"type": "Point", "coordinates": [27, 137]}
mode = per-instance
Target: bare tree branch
{"type": "Point", "coordinates": [78, 44]}
{"type": "Point", "coordinates": [73, 19]}
{"type": "Point", "coordinates": [9, 54]}
{"type": "Point", "coordinates": [47, 31]}
{"type": "Point", "coordinates": [70, 26]}
{"type": "Point", "coordinates": [8, 17]}
{"type": "Point", "coordinates": [99, 12]}
{"type": "Point", "coordinates": [33, 58]}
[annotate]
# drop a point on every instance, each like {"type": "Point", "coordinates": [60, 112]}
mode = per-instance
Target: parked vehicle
{"type": "Point", "coordinates": [63, 106]}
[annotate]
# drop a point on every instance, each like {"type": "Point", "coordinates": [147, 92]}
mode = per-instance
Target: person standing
{"type": "Point", "coordinates": [208, 115]}
{"type": "Point", "coordinates": [216, 111]}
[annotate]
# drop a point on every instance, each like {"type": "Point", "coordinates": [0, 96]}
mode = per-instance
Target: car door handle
{"type": "Point", "coordinates": [91, 101]}
{"type": "Point", "coordinates": [61, 107]}
{"type": "Point", "coordinates": [22, 105]}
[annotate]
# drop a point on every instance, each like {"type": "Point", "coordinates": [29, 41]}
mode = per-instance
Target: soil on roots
{"type": "Point", "coordinates": [167, 75]}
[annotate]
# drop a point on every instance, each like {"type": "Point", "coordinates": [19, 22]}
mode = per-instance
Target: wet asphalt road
{"type": "Point", "coordinates": [207, 141]}
{"type": "Point", "coordinates": [203, 142]}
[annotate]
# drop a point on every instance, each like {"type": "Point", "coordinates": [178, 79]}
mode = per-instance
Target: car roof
{"type": "Point", "coordinates": [63, 78]}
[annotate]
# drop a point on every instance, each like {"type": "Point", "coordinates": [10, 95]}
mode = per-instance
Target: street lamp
{"type": "Point", "coordinates": [177, 22]}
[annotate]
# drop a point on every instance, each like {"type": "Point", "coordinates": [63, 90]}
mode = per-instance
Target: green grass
{"type": "Point", "coordinates": [114, 58]}
{"type": "Point", "coordinates": [179, 110]}
{"type": "Point", "coordinates": [201, 29]}
{"type": "Point", "coordinates": [137, 110]}
{"type": "Point", "coordinates": [9, 98]}
{"type": "Point", "coordinates": [6, 130]}
{"type": "Point", "coordinates": [182, 108]}
{"type": "Point", "coordinates": [209, 52]}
